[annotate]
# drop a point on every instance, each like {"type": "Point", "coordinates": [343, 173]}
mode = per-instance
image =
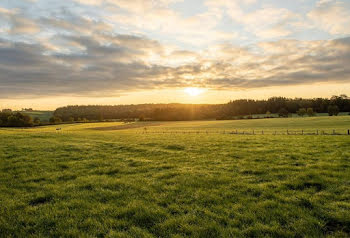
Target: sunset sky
{"type": "Point", "coordinates": [59, 52]}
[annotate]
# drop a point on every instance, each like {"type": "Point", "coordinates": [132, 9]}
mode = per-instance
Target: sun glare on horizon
{"type": "Point", "coordinates": [193, 91]}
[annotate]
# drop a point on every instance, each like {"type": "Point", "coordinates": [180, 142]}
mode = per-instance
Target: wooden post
{"type": "Point", "coordinates": [348, 132]}
{"type": "Point", "coordinates": [287, 132]}
{"type": "Point", "coordinates": [253, 132]}
{"type": "Point", "coordinates": [262, 132]}
{"type": "Point", "coordinates": [302, 132]}
{"type": "Point", "coordinates": [316, 132]}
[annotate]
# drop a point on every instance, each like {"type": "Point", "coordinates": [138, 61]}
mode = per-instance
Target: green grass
{"type": "Point", "coordinates": [297, 116]}
{"type": "Point", "coordinates": [44, 116]}
{"type": "Point", "coordinates": [123, 183]}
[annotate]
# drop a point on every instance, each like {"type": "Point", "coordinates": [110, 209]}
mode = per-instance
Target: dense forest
{"type": "Point", "coordinates": [232, 110]}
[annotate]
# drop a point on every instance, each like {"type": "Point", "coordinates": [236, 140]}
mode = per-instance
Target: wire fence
{"type": "Point", "coordinates": [252, 132]}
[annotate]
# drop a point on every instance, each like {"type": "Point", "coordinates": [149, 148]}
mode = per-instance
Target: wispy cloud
{"type": "Point", "coordinates": [332, 16]}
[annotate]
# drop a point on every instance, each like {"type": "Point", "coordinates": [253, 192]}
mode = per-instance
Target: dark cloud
{"type": "Point", "coordinates": [111, 69]}
{"type": "Point", "coordinates": [81, 57]}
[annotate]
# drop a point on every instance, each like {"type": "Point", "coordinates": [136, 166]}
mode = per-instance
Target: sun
{"type": "Point", "coordinates": [193, 91]}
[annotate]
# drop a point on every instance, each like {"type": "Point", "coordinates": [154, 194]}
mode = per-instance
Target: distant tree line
{"type": "Point", "coordinates": [280, 106]}
{"type": "Point", "coordinates": [159, 112]}
{"type": "Point", "coordinates": [14, 119]}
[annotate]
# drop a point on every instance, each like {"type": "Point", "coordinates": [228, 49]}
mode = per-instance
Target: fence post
{"type": "Point", "coordinates": [348, 132]}
{"type": "Point", "coordinates": [302, 132]}
{"type": "Point", "coordinates": [287, 132]}
{"type": "Point", "coordinates": [333, 132]}
{"type": "Point", "coordinates": [262, 132]}
{"type": "Point", "coordinates": [316, 132]}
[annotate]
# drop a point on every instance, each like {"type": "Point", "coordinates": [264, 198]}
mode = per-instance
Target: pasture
{"type": "Point", "coordinates": [101, 180]}
{"type": "Point", "coordinates": [44, 116]}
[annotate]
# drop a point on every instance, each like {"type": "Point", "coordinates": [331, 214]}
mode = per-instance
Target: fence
{"type": "Point", "coordinates": [252, 132]}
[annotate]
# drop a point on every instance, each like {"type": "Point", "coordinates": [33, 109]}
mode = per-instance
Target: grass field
{"type": "Point", "coordinates": [44, 116]}
{"type": "Point", "coordinates": [96, 180]}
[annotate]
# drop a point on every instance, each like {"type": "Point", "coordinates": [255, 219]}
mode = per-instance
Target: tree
{"type": "Point", "coordinates": [333, 110]}
{"type": "Point", "coordinates": [6, 111]}
{"type": "Point", "coordinates": [141, 118]}
{"type": "Point", "coordinates": [36, 120]}
{"type": "Point", "coordinates": [71, 119]}
{"type": "Point", "coordinates": [16, 120]}
{"type": "Point", "coordinates": [55, 120]}
{"type": "Point", "coordinates": [301, 112]}
{"type": "Point", "coordinates": [283, 112]}
{"type": "Point", "coordinates": [310, 112]}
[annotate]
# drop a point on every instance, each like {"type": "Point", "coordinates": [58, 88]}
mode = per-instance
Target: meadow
{"type": "Point", "coordinates": [44, 116]}
{"type": "Point", "coordinates": [118, 180]}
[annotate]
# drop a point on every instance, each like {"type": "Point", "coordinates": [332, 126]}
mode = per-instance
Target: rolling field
{"type": "Point", "coordinates": [44, 116]}
{"type": "Point", "coordinates": [115, 180]}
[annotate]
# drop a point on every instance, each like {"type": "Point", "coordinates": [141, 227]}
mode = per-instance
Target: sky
{"type": "Point", "coordinates": [68, 52]}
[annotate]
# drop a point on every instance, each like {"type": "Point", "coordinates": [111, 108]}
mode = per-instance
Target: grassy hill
{"type": "Point", "coordinates": [44, 116]}
{"type": "Point", "coordinates": [113, 180]}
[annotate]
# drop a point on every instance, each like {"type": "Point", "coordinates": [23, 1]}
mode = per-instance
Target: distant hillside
{"type": "Point", "coordinates": [44, 116]}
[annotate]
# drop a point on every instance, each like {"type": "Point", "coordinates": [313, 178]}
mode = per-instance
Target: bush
{"type": "Point", "coordinates": [333, 110]}
{"type": "Point", "coordinates": [55, 120]}
{"type": "Point", "coordinates": [37, 120]}
{"type": "Point", "coordinates": [301, 112]}
{"type": "Point", "coordinates": [283, 112]}
{"type": "Point", "coordinates": [310, 112]}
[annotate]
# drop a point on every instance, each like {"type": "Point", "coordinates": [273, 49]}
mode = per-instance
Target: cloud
{"type": "Point", "coordinates": [158, 16]}
{"type": "Point", "coordinates": [18, 24]}
{"type": "Point", "coordinates": [126, 65]}
{"type": "Point", "coordinates": [69, 52]}
{"type": "Point", "coordinates": [332, 16]}
{"type": "Point", "coordinates": [267, 22]}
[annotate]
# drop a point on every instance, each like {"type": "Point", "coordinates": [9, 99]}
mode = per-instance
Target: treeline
{"type": "Point", "coordinates": [284, 106]}
{"type": "Point", "coordinates": [159, 112]}
{"type": "Point", "coordinates": [14, 119]}
{"type": "Point", "coordinates": [180, 112]}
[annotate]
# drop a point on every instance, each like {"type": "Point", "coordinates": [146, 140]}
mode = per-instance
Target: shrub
{"type": "Point", "coordinates": [301, 112]}
{"type": "Point", "coordinates": [333, 110]}
{"type": "Point", "coordinates": [55, 120]}
{"type": "Point", "coordinates": [283, 112]}
{"type": "Point", "coordinates": [310, 112]}
{"type": "Point", "coordinates": [36, 120]}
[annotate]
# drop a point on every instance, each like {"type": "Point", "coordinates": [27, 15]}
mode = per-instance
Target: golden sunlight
{"type": "Point", "coordinates": [193, 91]}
